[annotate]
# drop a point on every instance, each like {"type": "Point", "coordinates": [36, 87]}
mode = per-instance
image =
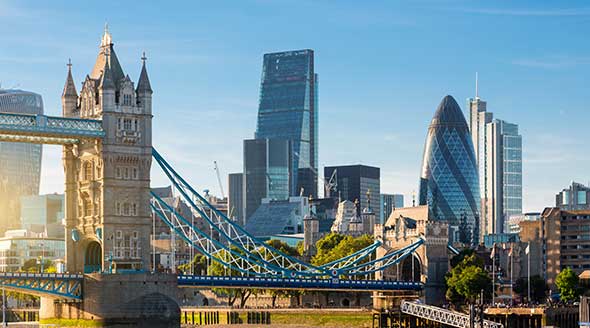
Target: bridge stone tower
{"type": "Point", "coordinates": [428, 264]}
{"type": "Point", "coordinates": [108, 182]}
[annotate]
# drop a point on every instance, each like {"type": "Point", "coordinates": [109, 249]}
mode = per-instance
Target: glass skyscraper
{"type": "Point", "coordinates": [267, 172]}
{"type": "Point", "coordinates": [288, 109]}
{"type": "Point", "coordinates": [20, 163]}
{"type": "Point", "coordinates": [449, 182]}
{"type": "Point", "coordinates": [504, 173]}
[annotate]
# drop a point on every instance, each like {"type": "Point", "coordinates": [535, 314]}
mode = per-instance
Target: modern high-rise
{"type": "Point", "coordinates": [498, 152]}
{"type": "Point", "coordinates": [575, 197]}
{"type": "Point", "coordinates": [356, 182]}
{"type": "Point", "coordinates": [503, 174]}
{"type": "Point", "coordinates": [387, 203]}
{"type": "Point", "coordinates": [267, 172]}
{"type": "Point", "coordinates": [288, 109]}
{"type": "Point", "coordinates": [235, 197]}
{"type": "Point", "coordinates": [20, 163]}
{"type": "Point", "coordinates": [449, 182]}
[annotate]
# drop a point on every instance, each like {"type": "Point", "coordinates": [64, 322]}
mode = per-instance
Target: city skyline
{"type": "Point", "coordinates": [385, 100]}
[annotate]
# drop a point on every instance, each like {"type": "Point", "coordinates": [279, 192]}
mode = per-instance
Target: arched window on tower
{"type": "Point", "coordinates": [87, 171]}
{"type": "Point", "coordinates": [87, 204]}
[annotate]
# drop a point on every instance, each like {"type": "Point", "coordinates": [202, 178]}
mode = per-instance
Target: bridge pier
{"type": "Point", "coordinates": [122, 300]}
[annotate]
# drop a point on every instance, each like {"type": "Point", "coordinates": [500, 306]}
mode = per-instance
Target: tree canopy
{"type": "Point", "coordinates": [466, 280]}
{"type": "Point", "coordinates": [567, 284]}
{"type": "Point", "coordinates": [335, 246]}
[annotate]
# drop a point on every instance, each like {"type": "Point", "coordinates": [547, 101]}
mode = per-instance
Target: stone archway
{"type": "Point", "coordinates": [93, 257]}
{"type": "Point", "coordinates": [411, 268]}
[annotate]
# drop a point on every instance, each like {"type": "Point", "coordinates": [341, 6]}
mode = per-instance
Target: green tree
{"type": "Point", "coordinates": [232, 294]}
{"type": "Point", "coordinates": [467, 279]}
{"type": "Point", "coordinates": [290, 251]}
{"type": "Point", "coordinates": [198, 264]}
{"type": "Point", "coordinates": [538, 288]}
{"type": "Point", "coordinates": [567, 284]}
{"type": "Point", "coordinates": [336, 246]}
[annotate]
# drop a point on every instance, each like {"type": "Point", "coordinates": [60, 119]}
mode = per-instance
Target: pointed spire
{"type": "Point", "coordinates": [143, 85]}
{"type": "Point", "coordinates": [107, 38]}
{"type": "Point", "coordinates": [106, 80]}
{"type": "Point", "coordinates": [70, 87]}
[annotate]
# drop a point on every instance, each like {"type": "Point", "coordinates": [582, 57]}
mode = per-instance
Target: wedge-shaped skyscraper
{"type": "Point", "coordinates": [449, 182]}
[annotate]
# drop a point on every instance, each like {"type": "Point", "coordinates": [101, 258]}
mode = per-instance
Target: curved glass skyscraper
{"type": "Point", "coordinates": [449, 182]}
{"type": "Point", "coordinates": [20, 163]}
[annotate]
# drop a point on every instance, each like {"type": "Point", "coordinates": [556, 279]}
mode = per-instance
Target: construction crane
{"type": "Point", "coordinates": [219, 179]}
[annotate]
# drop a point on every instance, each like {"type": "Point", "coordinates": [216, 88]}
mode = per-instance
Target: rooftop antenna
{"type": "Point", "coordinates": [476, 85]}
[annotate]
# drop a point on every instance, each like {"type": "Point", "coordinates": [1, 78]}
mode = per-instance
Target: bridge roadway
{"type": "Point", "coordinates": [69, 286]}
{"type": "Point", "coordinates": [295, 283]}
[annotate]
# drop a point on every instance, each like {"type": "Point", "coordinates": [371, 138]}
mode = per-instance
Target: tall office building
{"type": "Point", "coordinates": [288, 109]}
{"type": "Point", "coordinates": [387, 203]}
{"type": "Point", "coordinates": [356, 182]}
{"type": "Point", "coordinates": [20, 163]}
{"type": "Point", "coordinates": [235, 199]}
{"type": "Point", "coordinates": [267, 172]}
{"type": "Point", "coordinates": [449, 183]}
{"type": "Point", "coordinates": [479, 117]}
{"type": "Point", "coordinates": [503, 174]}
{"type": "Point", "coordinates": [496, 205]}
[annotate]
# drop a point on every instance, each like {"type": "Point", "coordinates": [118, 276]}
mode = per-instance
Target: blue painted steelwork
{"type": "Point", "coordinates": [453, 249]}
{"type": "Point", "coordinates": [294, 283]}
{"type": "Point", "coordinates": [55, 285]}
{"type": "Point", "coordinates": [251, 256]}
{"type": "Point", "coordinates": [48, 129]}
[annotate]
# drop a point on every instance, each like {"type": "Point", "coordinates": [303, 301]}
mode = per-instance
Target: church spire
{"type": "Point", "coordinates": [143, 85]}
{"type": "Point", "coordinates": [70, 87]}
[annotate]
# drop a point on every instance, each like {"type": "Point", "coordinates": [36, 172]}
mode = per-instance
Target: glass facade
{"type": "Point", "coordinates": [20, 163]}
{"type": "Point", "coordinates": [16, 251]}
{"type": "Point", "coordinates": [449, 182]}
{"type": "Point", "coordinates": [288, 110]}
{"type": "Point", "coordinates": [575, 197]}
{"type": "Point", "coordinates": [267, 172]}
{"type": "Point", "coordinates": [356, 182]}
{"type": "Point", "coordinates": [512, 169]}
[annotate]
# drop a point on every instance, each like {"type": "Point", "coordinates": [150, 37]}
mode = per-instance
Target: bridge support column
{"type": "Point", "coordinates": [122, 300]}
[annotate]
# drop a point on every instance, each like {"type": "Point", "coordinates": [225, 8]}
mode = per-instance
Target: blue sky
{"type": "Point", "coordinates": [383, 65]}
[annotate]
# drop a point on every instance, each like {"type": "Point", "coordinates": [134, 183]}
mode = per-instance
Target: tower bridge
{"type": "Point", "coordinates": [106, 134]}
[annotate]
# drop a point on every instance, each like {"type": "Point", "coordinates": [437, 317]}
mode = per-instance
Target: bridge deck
{"type": "Point", "coordinates": [48, 129]}
{"type": "Point", "coordinates": [444, 316]}
{"type": "Point", "coordinates": [294, 283]}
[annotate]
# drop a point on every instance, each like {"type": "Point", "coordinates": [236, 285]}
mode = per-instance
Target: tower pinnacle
{"type": "Point", "coordinates": [476, 85]}
{"type": "Point", "coordinates": [70, 87]}
{"type": "Point", "coordinates": [107, 38]}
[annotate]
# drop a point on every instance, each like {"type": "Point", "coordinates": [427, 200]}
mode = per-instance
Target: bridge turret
{"type": "Point", "coordinates": [144, 89]}
{"type": "Point", "coordinates": [69, 97]}
{"type": "Point", "coordinates": [106, 89]}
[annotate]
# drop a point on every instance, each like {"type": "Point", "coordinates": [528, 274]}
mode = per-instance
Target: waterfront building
{"type": "Point", "coordinates": [288, 109]}
{"type": "Point", "coordinates": [278, 217]}
{"type": "Point", "coordinates": [513, 223]}
{"type": "Point", "coordinates": [575, 197]}
{"type": "Point", "coordinates": [566, 241]}
{"type": "Point", "coordinates": [267, 172]}
{"type": "Point", "coordinates": [43, 214]}
{"type": "Point", "coordinates": [20, 246]}
{"type": "Point", "coordinates": [235, 199]}
{"type": "Point", "coordinates": [448, 181]}
{"type": "Point", "coordinates": [503, 174]}
{"type": "Point", "coordinates": [387, 203]}
{"type": "Point", "coordinates": [20, 163]}
{"type": "Point", "coordinates": [355, 182]}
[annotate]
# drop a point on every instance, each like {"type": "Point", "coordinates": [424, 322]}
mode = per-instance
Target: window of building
{"type": "Point", "coordinates": [126, 209]}
{"type": "Point", "coordinates": [134, 211]}
{"type": "Point", "coordinates": [135, 234]}
{"type": "Point", "coordinates": [87, 204]}
{"type": "Point", "coordinates": [127, 124]}
{"type": "Point", "coordinates": [119, 234]}
{"type": "Point", "coordinates": [565, 196]}
{"type": "Point", "coordinates": [582, 197]}
{"type": "Point", "coordinates": [118, 208]}
{"type": "Point", "coordinates": [87, 171]}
